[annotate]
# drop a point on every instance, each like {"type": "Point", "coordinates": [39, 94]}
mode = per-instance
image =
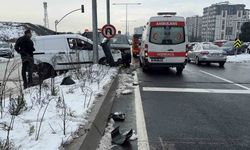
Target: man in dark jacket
{"type": "Point", "coordinates": [25, 47]}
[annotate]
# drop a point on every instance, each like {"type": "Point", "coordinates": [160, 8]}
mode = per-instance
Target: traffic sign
{"type": "Point", "coordinates": [237, 43]}
{"type": "Point", "coordinates": [108, 31]}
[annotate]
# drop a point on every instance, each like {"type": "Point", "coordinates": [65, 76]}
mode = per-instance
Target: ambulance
{"type": "Point", "coordinates": [164, 42]}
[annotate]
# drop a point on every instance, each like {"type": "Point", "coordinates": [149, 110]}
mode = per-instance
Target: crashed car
{"type": "Point", "coordinates": [120, 42]}
{"type": "Point", "coordinates": [6, 51]}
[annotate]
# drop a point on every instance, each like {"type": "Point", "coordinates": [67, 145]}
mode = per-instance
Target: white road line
{"type": "Point", "coordinates": [194, 90]}
{"type": "Point", "coordinates": [140, 120]}
{"type": "Point", "coordinates": [239, 85]}
{"type": "Point", "coordinates": [162, 144]}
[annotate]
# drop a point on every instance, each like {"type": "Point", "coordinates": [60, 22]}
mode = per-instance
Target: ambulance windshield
{"type": "Point", "coordinates": [167, 35]}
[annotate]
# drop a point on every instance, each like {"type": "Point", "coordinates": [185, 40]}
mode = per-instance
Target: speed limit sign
{"type": "Point", "coordinates": [108, 31]}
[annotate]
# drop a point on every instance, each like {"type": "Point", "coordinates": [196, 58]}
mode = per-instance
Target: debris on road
{"type": "Point", "coordinates": [120, 139]}
{"type": "Point", "coordinates": [117, 116]}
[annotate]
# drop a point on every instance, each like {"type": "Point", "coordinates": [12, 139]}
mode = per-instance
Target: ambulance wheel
{"type": "Point", "coordinates": [145, 68]}
{"type": "Point", "coordinates": [179, 70]}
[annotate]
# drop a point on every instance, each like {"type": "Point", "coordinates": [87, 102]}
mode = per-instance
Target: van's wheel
{"type": "Point", "coordinates": [197, 61]}
{"type": "Point", "coordinates": [46, 71]}
{"type": "Point", "coordinates": [103, 61]}
{"type": "Point", "coordinates": [179, 70]}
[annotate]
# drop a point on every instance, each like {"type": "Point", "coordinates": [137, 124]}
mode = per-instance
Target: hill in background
{"type": "Point", "coordinates": [10, 31]}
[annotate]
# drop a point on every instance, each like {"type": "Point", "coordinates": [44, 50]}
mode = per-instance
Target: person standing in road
{"type": "Point", "coordinates": [25, 47]}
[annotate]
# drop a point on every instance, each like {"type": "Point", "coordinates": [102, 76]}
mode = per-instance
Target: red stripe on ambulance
{"type": "Point", "coordinates": [167, 23]}
{"type": "Point", "coordinates": [167, 54]}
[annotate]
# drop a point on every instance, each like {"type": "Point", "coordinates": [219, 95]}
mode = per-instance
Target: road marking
{"type": "Point", "coordinates": [194, 90]}
{"type": "Point", "coordinates": [162, 144]}
{"type": "Point", "coordinates": [140, 119]}
{"type": "Point", "coordinates": [242, 86]}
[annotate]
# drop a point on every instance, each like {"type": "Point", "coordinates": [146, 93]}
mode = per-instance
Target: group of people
{"type": "Point", "coordinates": [25, 47]}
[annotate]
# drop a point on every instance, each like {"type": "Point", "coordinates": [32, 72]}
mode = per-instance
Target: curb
{"type": "Point", "coordinates": [91, 134]}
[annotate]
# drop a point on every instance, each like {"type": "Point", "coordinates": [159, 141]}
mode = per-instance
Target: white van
{"type": "Point", "coordinates": [164, 42]}
{"type": "Point", "coordinates": [62, 52]}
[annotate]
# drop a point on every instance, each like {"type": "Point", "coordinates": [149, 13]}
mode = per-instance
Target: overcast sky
{"type": "Point", "coordinates": [32, 11]}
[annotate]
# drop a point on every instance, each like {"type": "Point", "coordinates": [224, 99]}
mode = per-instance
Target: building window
{"type": "Point", "coordinates": [229, 30]}
{"type": "Point", "coordinates": [239, 14]}
{"type": "Point", "coordinates": [223, 14]}
{"type": "Point", "coordinates": [238, 25]}
{"type": "Point", "coordinates": [222, 35]}
{"type": "Point", "coordinates": [223, 25]}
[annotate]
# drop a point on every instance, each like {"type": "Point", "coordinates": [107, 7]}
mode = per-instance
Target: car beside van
{"type": "Point", "coordinates": [63, 52]}
{"type": "Point", "coordinates": [164, 42]}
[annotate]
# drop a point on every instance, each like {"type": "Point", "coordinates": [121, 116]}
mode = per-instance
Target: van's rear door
{"type": "Point", "coordinates": [167, 43]}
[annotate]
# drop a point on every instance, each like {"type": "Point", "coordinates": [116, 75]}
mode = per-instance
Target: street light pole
{"type": "Point", "coordinates": [128, 21]}
{"type": "Point", "coordinates": [94, 28]}
{"type": "Point", "coordinates": [57, 22]}
{"type": "Point", "coordinates": [108, 11]}
{"type": "Point", "coordinates": [126, 4]}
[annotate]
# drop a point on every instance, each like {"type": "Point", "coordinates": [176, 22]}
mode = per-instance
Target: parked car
{"type": "Point", "coordinates": [6, 50]}
{"type": "Point", "coordinates": [220, 42]}
{"type": "Point", "coordinates": [229, 48]}
{"type": "Point", "coordinates": [207, 53]}
{"type": "Point", "coordinates": [120, 42]}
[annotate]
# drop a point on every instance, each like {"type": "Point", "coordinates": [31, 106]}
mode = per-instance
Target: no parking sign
{"type": "Point", "coordinates": [108, 31]}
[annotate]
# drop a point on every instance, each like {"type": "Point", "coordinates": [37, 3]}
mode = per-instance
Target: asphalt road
{"type": "Point", "coordinates": [207, 107]}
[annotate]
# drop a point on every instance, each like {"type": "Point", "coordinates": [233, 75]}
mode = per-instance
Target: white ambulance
{"type": "Point", "coordinates": [164, 42]}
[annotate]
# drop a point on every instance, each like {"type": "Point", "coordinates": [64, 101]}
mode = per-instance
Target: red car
{"type": "Point", "coordinates": [136, 44]}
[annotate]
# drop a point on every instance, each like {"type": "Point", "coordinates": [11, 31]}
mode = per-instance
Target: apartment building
{"type": "Point", "coordinates": [222, 21]}
{"type": "Point", "coordinates": [194, 28]}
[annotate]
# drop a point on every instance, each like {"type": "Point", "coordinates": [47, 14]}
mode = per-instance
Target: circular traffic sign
{"type": "Point", "coordinates": [108, 31]}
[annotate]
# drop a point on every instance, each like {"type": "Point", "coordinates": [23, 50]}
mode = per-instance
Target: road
{"type": "Point", "coordinates": [207, 107]}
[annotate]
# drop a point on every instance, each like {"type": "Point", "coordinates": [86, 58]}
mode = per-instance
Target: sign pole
{"type": "Point", "coordinates": [94, 28]}
{"type": "Point", "coordinates": [108, 11]}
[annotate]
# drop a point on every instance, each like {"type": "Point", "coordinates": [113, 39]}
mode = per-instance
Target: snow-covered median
{"type": "Point", "coordinates": [58, 116]}
{"type": "Point", "coordinates": [242, 58]}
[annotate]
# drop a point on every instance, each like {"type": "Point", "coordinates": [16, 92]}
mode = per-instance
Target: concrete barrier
{"type": "Point", "coordinates": [92, 132]}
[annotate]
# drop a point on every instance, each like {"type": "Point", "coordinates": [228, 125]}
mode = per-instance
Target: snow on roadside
{"type": "Point", "coordinates": [242, 58]}
{"type": "Point", "coordinates": [106, 141]}
{"type": "Point", "coordinates": [125, 83]}
{"type": "Point", "coordinates": [79, 99]}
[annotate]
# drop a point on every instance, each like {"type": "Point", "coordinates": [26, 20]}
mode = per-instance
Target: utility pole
{"type": "Point", "coordinates": [128, 24]}
{"type": "Point", "coordinates": [126, 4]}
{"type": "Point", "coordinates": [94, 28]}
{"type": "Point", "coordinates": [108, 11]}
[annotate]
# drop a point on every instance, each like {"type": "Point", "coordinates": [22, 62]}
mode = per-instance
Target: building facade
{"type": "Point", "coordinates": [194, 25]}
{"type": "Point", "coordinates": [223, 21]}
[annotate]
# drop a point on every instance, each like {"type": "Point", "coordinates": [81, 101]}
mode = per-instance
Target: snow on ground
{"type": "Point", "coordinates": [242, 58]}
{"type": "Point", "coordinates": [125, 83]}
{"type": "Point", "coordinates": [78, 99]}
